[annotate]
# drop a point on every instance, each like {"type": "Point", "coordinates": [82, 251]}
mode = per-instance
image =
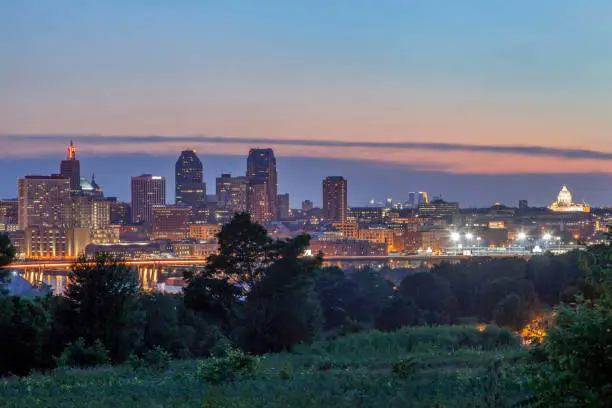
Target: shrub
{"type": "Point", "coordinates": [405, 367]}
{"type": "Point", "coordinates": [156, 359]}
{"type": "Point", "coordinates": [235, 365]}
{"type": "Point", "coordinates": [286, 371]}
{"type": "Point", "coordinates": [78, 355]}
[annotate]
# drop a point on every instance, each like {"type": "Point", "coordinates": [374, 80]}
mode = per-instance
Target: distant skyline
{"type": "Point", "coordinates": [469, 90]}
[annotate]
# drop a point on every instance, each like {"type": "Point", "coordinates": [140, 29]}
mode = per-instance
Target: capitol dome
{"type": "Point", "coordinates": [564, 197]}
{"type": "Point", "coordinates": [86, 185]}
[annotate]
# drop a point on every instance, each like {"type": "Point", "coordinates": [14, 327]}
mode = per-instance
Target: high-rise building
{"type": "Point", "coordinates": [43, 201]}
{"type": "Point", "coordinates": [147, 191]}
{"type": "Point", "coordinates": [9, 214]}
{"type": "Point", "coordinates": [282, 203]}
{"type": "Point", "coordinates": [258, 203]}
{"type": "Point", "coordinates": [88, 212]}
{"type": "Point", "coordinates": [334, 199]}
{"type": "Point", "coordinates": [190, 189]}
{"type": "Point", "coordinates": [120, 212]}
{"type": "Point", "coordinates": [523, 204]}
{"type": "Point", "coordinates": [232, 193]}
{"type": "Point", "coordinates": [261, 168]}
{"type": "Point", "coordinates": [71, 169]}
{"type": "Point", "coordinates": [307, 205]}
{"type": "Point", "coordinates": [56, 242]}
{"type": "Point", "coordinates": [170, 222]}
{"type": "Point", "coordinates": [438, 208]}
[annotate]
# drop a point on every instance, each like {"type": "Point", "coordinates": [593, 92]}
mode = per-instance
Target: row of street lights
{"type": "Point", "coordinates": [522, 237]}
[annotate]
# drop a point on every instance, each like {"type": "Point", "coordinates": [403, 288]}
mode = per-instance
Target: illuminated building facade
{"type": "Point", "coordinates": [147, 191]}
{"type": "Point", "coordinates": [438, 208]}
{"type": "Point", "coordinates": [88, 212]}
{"type": "Point", "coordinates": [335, 199]}
{"type": "Point", "coordinates": [258, 203]}
{"type": "Point", "coordinates": [120, 212]}
{"type": "Point", "coordinates": [261, 170]}
{"type": "Point", "coordinates": [347, 247]}
{"type": "Point", "coordinates": [564, 203]}
{"type": "Point", "coordinates": [71, 169]}
{"type": "Point", "coordinates": [9, 215]}
{"type": "Point", "coordinates": [368, 215]}
{"type": "Point", "coordinates": [43, 201]}
{"type": "Point", "coordinates": [171, 222]}
{"type": "Point", "coordinates": [232, 193]}
{"type": "Point", "coordinates": [55, 242]}
{"type": "Point", "coordinates": [347, 229]}
{"type": "Point", "coordinates": [204, 231]}
{"type": "Point", "coordinates": [190, 189]}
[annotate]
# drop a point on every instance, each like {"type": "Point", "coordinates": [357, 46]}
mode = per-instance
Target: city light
{"type": "Point", "coordinates": [455, 236]}
{"type": "Point", "coordinates": [469, 235]}
{"type": "Point", "coordinates": [547, 237]}
{"type": "Point", "coordinates": [522, 236]}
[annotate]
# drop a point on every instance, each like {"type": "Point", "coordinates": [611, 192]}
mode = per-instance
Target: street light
{"type": "Point", "coordinates": [522, 237]}
{"type": "Point", "coordinates": [478, 239]}
{"type": "Point", "coordinates": [456, 237]}
{"type": "Point", "coordinates": [469, 236]}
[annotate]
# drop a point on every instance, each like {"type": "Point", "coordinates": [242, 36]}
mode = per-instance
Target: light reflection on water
{"type": "Point", "coordinates": [165, 280]}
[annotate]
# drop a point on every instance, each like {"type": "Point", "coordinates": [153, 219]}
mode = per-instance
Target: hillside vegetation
{"type": "Point", "coordinates": [448, 366]}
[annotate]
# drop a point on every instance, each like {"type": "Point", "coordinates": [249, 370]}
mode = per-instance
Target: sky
{"type": "Point", "coordinates": [478, 101]}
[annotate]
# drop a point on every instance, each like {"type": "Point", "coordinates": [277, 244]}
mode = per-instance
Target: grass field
{"type": "Point", "coordinates": [416, 367]}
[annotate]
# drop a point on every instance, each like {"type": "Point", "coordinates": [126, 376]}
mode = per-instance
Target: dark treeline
{"type": "Point", "coordinates": [261, 295]}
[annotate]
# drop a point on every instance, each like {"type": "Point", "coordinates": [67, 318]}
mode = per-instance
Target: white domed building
{"type": "Point", "coordinates": [565, 203]}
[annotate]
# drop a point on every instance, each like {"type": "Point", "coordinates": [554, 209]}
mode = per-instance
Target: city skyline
{"type": "Point", "coordinates": [490, 89]}
{"type": "Point", "coordinates": [316, 197]}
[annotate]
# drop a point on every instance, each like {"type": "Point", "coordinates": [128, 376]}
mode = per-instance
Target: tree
{"type": "Point", "coordinates": [336, 293]}
{"type": "Point", "coordinates": [23, 323]}
{"type": "Point", "coordinates": [7, 253]}
{"type": "Point", "coordinates": [575, 358]}
{"type": "Point", "coordinates": [400, 313]}
{"type": "Point", "coordinates": [374, 294]}
{"type": "Point", "coordinates": [103, 303]}
{"type": "Point", "coordinates": [282, 308]}
{"type": "Point", "coordinates": [245, 251]}
{"type": "Point", "coordinates": [512, 312]}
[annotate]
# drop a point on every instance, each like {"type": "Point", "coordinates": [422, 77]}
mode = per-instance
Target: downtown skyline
{"type": "Point", "coordinates": [450, 96]}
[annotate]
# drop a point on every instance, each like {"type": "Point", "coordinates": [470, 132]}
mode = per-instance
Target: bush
{"type": "Point", "coordinates": [405, 367]}
{"type": "Point", "coordinates": [78, 355]}
{"type": "Point", "coordinates": [235, 365]}
{"type": "Point", "coordinates": [156, 359]}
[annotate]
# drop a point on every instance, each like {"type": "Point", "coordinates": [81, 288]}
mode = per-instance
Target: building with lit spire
{"type": "Point", "coordinates": [565, 203]}
{"type": "Point", "coordinates": [71, 169]}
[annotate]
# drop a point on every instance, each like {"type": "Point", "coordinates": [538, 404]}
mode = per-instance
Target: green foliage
{"type": "Point", "coordinates": [512, 311]}
{"type": "Point", "coordinates": [572, 366]}
{"type": "Point", "coordinates": [23, 323]}
{"type": "Point", "coordinates": [405, 367]}
{"type": "Point", "coordinates": [103, 304]}
{"type": "Point", "coordinates": [155, 359]}
{"type": "Point", "coordinates": [7, 254]}
{"type": "Point", "coordinates": [235, 365]}
{"type": "Point", "coordinates": [78, 354]}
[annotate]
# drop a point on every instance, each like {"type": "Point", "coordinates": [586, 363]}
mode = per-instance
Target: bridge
{"type": "Point", "coordinates": [330, 260]}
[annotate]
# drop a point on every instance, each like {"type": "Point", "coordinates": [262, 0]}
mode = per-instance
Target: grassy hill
{"type": "Point", "coordinates": [448, 366]}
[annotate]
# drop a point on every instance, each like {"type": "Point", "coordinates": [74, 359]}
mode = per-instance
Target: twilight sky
{"type": "Point", "coordinates": [431, 88]}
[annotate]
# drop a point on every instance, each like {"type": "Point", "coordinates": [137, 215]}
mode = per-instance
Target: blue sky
{"type": "Point", "coordinates": [487, 72]}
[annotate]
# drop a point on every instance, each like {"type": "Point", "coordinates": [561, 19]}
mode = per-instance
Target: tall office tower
{"type": "Point", "coordinates": [43, 201]}
{"type": "Point", "coordinates": [147, 191]}
{"type": "Point", "coordinates": [120, 212]}
{"type": "Point", "coordinates": [334, 199]}
{"type": "Point", "coordinates": [190, 189]}
{"type": "Point", "coordinates": [9, 214]}
{"type": "Point", "coordinates": [261, 165]}
{"type": "Point", "coordinates": [307, 205]}
{"type": "Point", "coordinates": [282, 203]}
{"type": "Point", "coordinates": [258, 203]}
{"type": "Point", "coordinates": [523, 204]}
{"type": "Point", "coordinates": [88, 212]}
{"type": "Point", "coordinates": [71, 169]}
{"type": "Point", "coordinates": [423, 198]}
{"type": "Point", "coordinates": [232, 193]}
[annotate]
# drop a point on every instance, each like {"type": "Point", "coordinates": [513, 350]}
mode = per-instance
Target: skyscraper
{"type": "Point", "coordinates": [258, 203]}
{"type": "Point", "coordinates": [232, 193]}
{"type": "Point", "coordinates": [190, 189]}
{"type": "Point", "coordinates": [71, 169]}
{"type": "Point", "coordinates": [43, 201]}
{"type": "Point", "coordinates": [261, 168]}
{"type": "Point", "coordinates": [147, 191]}
{"type": "Point", "coordinates": [282, 203]}
{"type": "Point", "coordinates": [334, 199]}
